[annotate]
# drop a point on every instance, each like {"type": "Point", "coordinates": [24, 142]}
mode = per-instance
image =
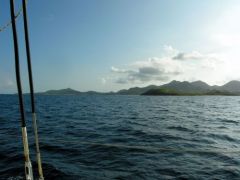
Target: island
{"type": "Point", "coordinates": [173, 88]}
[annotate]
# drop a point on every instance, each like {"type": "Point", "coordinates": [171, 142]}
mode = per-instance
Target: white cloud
{"type": "Point", "coordinates": [154, 69]}
{"type": "Point", "coordinates": [117, 70]}
{"type": "Point", "coordinates": [174, 64]}
{"type": "Point", "coordinates": [170, 50]}
{"type": "Point", "coordinates": [195, 55]}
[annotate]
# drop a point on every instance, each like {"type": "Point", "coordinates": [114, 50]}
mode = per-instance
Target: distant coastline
{"type": "Point", "coordinates": [174, 88]}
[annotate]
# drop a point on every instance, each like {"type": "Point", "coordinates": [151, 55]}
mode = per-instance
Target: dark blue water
{"type": "Point", "coordinates": [125, 137]}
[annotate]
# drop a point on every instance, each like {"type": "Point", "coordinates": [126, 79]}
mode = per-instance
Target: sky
{"type": "Point", "coordinates": [108, 45]}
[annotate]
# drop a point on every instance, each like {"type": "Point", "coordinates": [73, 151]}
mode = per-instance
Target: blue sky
{"type": "Point", "coordinates": [107, 45]}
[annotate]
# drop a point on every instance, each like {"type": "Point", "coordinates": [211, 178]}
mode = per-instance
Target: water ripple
{"type": "Point", "coordinates": [125, 137]}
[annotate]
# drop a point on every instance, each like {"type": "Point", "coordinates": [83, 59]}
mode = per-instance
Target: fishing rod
{"type": "Point", "coordinates": [28, 164]}
{"type": "Point", "coordinates": [34, 117]}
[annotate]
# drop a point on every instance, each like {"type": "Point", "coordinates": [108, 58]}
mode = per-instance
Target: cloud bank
{"type": "Point", "coordinates": [173, 64]}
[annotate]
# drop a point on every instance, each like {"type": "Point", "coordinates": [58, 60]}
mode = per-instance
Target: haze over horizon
{"type": "Point", "coordinates": [112, 45]}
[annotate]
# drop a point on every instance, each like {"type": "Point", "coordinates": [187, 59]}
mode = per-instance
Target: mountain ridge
{"type": "Point", "coordinates": [174, 87]}
{"type": "Point", "coordinates": [196, 88]}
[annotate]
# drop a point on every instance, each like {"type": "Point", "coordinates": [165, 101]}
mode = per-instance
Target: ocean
{"type": "Point", "coordinates": [125, 137]}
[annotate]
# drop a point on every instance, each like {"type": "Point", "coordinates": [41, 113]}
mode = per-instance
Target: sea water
{"type": "Point", "coordinates": [125, 137]}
